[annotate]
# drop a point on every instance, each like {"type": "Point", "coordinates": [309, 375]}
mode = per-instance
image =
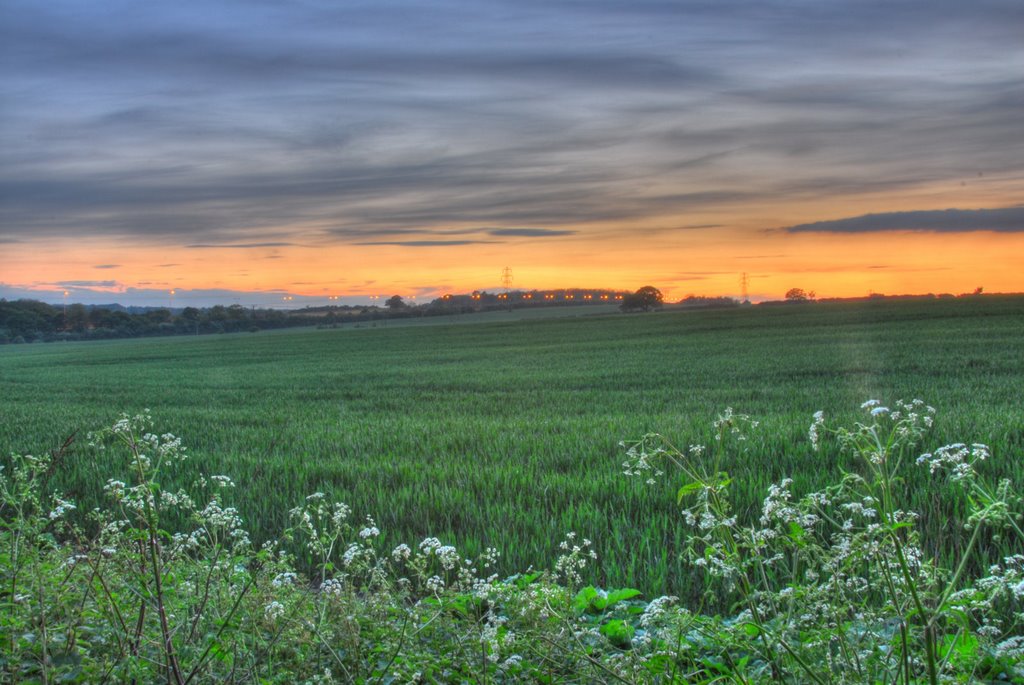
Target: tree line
{"type": "Point", "coordinates": [26, 321]}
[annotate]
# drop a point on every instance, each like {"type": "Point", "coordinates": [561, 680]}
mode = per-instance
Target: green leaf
{"type": "Point", "coordinates": [526, 579]}
{"type": "Point", "coordinates": [688, 489]}
{"type": "Point", "coordinates": [460, 604]}
{"type": "Point", "coordinates": [619, 633]}
{"type": "Point", "coordinates": [751, 629]}
{"type": "Point", "coordinates": [589, 600]}
{"type": "Point", "coordinates": [616, 596]}
{"type": "Point", "coordinates": [961, 649]}
{"type": "Point", "coordinates": [797, 534]}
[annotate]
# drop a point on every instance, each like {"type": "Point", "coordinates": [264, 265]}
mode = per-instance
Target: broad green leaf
{"type": "Point", "coordinates": [688, 489]}
{"type": "Point", "coordinates": [620, 595]}
{"type": "Point", "coordinates": [619, 633]}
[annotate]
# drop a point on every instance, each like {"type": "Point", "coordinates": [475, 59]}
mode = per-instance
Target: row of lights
{"type": "Point", "coordinates": [548, 296]}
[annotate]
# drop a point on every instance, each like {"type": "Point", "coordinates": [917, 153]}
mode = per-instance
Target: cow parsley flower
{"type": "Point", "coordinates": [274, 610]}
{"type": "Point", "coordinates": [370, 531]}
{"type": "Point", "coordinates": [63, 507]}
{"type": "Point", "coordinates": [812, 432]}
{"type": "Point", "coordinates": [283, 579]}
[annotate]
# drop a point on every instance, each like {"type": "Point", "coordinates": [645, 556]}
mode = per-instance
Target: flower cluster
{"type": "Point", "coordinates": [643, 463]}
{"type": "Point", "coordinates": [574, 558]}
{"type": "Point", "coordinates": [959, 459]}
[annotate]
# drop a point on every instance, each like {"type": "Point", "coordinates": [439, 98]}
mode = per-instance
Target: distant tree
{"type": "Point", "coordinates": [645, 299]}
{"type": "Point", "coordinates": [799, 295]}
{"type": "Point", "coordinates": [158, 316]}
{"type": "Point", "coordinates": [217, 312]}
{"type": "Point", "coordinates": [77, 318]}
{"type": "Point", "coordinates": [191, 316]}
{"type": "Point", "coordinates": [395, 302]}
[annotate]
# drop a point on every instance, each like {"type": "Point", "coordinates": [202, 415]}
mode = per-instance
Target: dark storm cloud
{"type": "Point", "coordinates": [226, 124]}
{"type": "Point", "coordinates": [1004, 220]}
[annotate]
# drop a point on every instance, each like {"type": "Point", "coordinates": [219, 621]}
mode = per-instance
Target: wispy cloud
{"type": "Point", "coordinates": [150, 296]}
{"type": "Point", "coordinates": [242, 246]}
{"type": "Point", "coordinates": [1002, 220]}
{"type": "Point", "coordinates": [106, 266]}
{"type": "Point", "coordinates": [399, 124]}
{"type": "Point", "coordinates": [426, 243]}
{"type": "Point", "coordinates": [528, 232]}
{"type": "Point", "coordinates": [86, 284]}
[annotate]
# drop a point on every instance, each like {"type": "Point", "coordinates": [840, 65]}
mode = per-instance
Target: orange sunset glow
{"type": "Point", "coordinates": [339, 155]}
{"type": "Point", "coordinates": [834, 266]}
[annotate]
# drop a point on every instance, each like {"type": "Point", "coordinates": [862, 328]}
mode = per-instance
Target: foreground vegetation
{"type": "Point", "coordinates": [831, 586]}
{"type": "Point", "coordinates": [496, 434]}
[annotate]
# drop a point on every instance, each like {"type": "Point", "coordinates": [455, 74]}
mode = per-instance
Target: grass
{"type": "Point", "coordinates": [505, 434]}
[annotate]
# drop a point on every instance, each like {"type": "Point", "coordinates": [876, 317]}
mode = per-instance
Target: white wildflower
{"type": "Point", "coordinates": [513, 661]}
{"type": "Point", "coordinates": [1011, 648]}
{"type": "Point", "coordinates": [813, 431]}
{"type": "Point", "coordinates": [655, 610]}
{"type": "Point", "coordinates": [63, 507]}
{"type": "Point", "coordinates": [274, 610]}
{"type": "Point", "coordinates": [283, 579]}
{"type": "Point", "coordinates": [333, 587]}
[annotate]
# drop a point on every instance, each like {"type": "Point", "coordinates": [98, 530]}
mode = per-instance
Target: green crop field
{"type": "Point", "coordinates": [506, 433]}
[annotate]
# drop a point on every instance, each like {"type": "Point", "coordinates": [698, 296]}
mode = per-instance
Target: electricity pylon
{"type": "Point", "coordinates": [506, 282]}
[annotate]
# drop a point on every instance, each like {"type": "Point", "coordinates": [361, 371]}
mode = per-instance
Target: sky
{"type": "Point", "coordinates": [253, 151]}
